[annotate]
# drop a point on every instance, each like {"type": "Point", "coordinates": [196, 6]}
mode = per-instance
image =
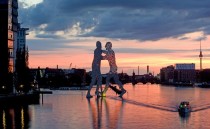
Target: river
{"type": "Point", "coordinates": [143, 107]}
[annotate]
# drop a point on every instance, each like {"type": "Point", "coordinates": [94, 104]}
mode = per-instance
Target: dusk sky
{"type": "Point", "coordinates": [157, 33]}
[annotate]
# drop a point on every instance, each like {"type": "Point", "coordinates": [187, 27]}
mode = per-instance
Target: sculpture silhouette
{"type": "Point", "coordinates": [96, 71]}
{"type": "Point", "coordinates": [110, 56]}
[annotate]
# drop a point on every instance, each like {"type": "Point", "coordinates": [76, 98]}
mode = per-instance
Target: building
{"type": "Point", "coordinates": [185, 73]}
{"type": "Point", "coordinates": [78, 76]}
{"type": "Point", "coordinates": [190, 66]}
{"type": "Point", "coordinates": [204, 75]}
{"type": "Point", "coordinates": [167, 74]}
{"type": "Point", "coordinates": [8, 39]}
{"type": "Point", "coordinates": [21, 38]}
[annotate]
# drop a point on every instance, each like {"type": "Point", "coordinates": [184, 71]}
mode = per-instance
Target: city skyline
{"type": "Point", "coordinates": [143, 33]}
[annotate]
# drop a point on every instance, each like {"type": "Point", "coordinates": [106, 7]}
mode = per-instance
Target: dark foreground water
{"type": "Point", "coordinates": [143, 107]}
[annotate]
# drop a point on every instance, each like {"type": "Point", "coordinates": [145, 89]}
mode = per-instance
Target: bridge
{"type": "Point", "coordinates": [146, 78]}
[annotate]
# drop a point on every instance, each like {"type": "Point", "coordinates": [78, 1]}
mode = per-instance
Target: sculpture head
{"type": "Point", "coordinates": [108, 45]}
{"type": "Point", "coordinates": [98, 44]}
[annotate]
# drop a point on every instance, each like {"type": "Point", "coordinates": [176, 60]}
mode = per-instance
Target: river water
{"type": "Point", "coordinates": [143, 107]}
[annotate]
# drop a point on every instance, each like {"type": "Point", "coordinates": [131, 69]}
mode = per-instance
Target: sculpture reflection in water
{"type": "Point", "coordinates": [17, 117]}
{"type": "Point", "coordinates": [101, 108]}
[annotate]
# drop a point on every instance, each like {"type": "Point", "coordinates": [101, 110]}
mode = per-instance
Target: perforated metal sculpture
{"type": "Point", "coordinates": [110, 56]}
{"type": "Point", "coordinates": [96, 71]}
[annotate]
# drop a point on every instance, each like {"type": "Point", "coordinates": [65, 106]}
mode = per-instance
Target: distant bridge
{"type": "Point", "coordinates": [146, 78]}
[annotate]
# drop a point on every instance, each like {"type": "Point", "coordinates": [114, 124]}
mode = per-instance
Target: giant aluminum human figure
{"type": "Point", "coordinates": [110, 56]}
{"type": "Point", "coordinates": [96, 71]}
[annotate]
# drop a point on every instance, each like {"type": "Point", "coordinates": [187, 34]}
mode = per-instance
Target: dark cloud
{"type": "Point", "coordinates": [200, 38]}
{"type": "Point", "coordinates": [154, 51]}
{"type": "Point", "coordinates": [205, 56]}
{"type": "Point", "coordinates": [55, 45]}
{"type": "Point", "coordinates": [45, 45]}
{"type": "Point", "coordinates": [122, 19]}
{"type": "Point", "coordinates": [58, 44]}
{"type": "Point", "coordinates": [51, 36]}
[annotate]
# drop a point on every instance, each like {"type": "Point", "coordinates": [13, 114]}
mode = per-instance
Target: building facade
{"type": "Point", "coordinates": [190, 66]}
{"type": "Point", "coordinates": [185, 73]}
{"type": "Point", "coordinates": [8, 38]}
{"type": "Point", "coordinates": [167, 74]}
{"type": "Point", "coordinates": [21, 38]}
{"type": "Point", "coordinates": [204, 75]}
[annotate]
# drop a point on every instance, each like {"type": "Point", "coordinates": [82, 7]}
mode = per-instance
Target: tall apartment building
{"type": "Point", "coordinates": [8, 39]}
{"type": "Point", "coordinates": [21, 38]}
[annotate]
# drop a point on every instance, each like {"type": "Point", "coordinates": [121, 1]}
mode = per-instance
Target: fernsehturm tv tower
{"type": "Point", "coordinates": [201, 56]}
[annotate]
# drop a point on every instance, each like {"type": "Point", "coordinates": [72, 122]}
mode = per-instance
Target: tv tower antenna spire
{"type": "Point", "coordinates": [201, 56]}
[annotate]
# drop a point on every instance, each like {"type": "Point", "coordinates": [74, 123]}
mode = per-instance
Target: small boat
{"type": "Point", "coordinates": [184, 107]}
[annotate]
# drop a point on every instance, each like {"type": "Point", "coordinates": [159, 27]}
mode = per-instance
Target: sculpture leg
{"type": "Point", "coordinates": [93, 80]}
{"type": "Point", "coordinates": [109, 76]}
{"type": "Point", "coordinates": [99, 84]}
{"type": "Point", "coordinates": [118, 82]}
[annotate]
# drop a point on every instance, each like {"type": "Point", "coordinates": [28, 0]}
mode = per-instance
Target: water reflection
{"type": "Point", "coordinates": [101, 109]}
{"type": "Point", "coordinates": [96, 111]}
{"type": "Point", "coordinates": [17, 117]}
{"type": "Point", "coordinates": [145, 106]}
{"type": "Point", "coordinates": [201, 107]}
{"type": "Point", "coordinates": [149, 105]}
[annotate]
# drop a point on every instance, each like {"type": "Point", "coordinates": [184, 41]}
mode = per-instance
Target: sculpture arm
{"type": "Point", "coordinates": [104, 51]}
{"type": "Point", "coordinates": [104, 57]}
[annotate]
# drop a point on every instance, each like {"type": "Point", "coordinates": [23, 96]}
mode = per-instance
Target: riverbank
{"type": "Point", "coordinates": [15, 99]}
{"type": "Point", "coordinates": [178, 84]}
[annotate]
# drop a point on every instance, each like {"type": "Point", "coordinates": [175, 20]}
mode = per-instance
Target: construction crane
{"type": "Point", "coordinates": [70, 66]}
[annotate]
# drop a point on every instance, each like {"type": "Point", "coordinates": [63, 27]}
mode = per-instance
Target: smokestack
{"type": "Point", "coordinates": [147, 69]}
{"type": "Point", "coordinates": [138, 70]}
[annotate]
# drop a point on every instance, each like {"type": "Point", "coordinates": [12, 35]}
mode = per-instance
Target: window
{"type": "Point", "coordinates": [10, 35]}
{"type": "Point", "coordinates": [9, 19]}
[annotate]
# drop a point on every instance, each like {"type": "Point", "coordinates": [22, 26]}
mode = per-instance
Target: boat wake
{"type": "Point", "coordinates": [201, 107]}
{"type": "Point", "coordinates": [154, 106]}
{"type": "Point", "coordinates": [161, 107]}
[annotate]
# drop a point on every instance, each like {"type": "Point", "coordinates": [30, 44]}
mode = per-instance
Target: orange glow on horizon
{"type": "Point", "coordinates": [82, 58]}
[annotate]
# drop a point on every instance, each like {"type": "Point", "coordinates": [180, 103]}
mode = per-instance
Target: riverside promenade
{"type": "Point", "coordinates": [13, 99]}
{"type": "Point", "coordinates": [29, 98]}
